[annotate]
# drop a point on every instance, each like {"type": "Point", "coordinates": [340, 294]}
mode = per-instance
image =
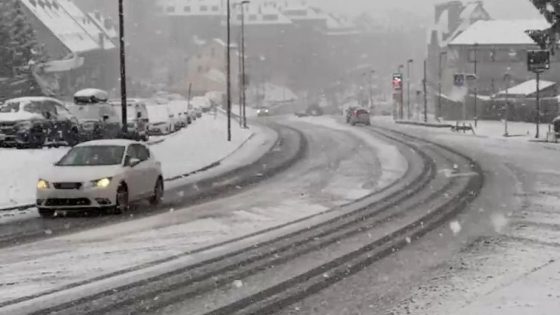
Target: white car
{"type": "Point", "coordinates": [160, 120]}
{"type": "Point", "coordinates": [102, 174]}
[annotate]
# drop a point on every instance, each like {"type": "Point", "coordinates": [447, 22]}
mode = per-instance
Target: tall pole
{"type": "Point", "coordinates": [538, 118]}
{"type": "Point", "coordinates": [475, 85]}
{"type": "Point", "coordinates": [408, 63]}
{"type": "Point", "coordinates": [228, 69]}
{"type": "Point", "coordinates": [243, 78]}
{"type": "Point", "coordinates": [122, 68]}
{"type": "Point", "coordinates": [506, 79]}
{"type": "Point", "coordinates": [401, 101]}
{"type": "Point", "coordinates": [370, 82]}
{"type": "Point", "coordinates": [424, 85]}
{"type": "Point", "coordinates": [439, 110]}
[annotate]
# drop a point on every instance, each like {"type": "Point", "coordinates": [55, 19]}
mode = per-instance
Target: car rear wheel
{"type": "Point", "coordinates": [158, 193]}
{"type": "Point", "coordinates": [123, 202]}
{"type": "Point", "coordinates": [46, 213]}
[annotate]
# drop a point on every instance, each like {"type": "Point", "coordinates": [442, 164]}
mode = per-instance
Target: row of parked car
{"type": "Point", "coordinates": [33, 122]}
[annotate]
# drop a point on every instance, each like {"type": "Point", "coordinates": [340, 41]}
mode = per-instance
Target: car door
{"type": "Point", "coordinates": [133, 174]}
{"type": "Point", "coordinates": [147, 179]}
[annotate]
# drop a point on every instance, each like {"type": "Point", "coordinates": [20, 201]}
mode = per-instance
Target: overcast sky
{"type": "Point", "coordinates": [499, 9]}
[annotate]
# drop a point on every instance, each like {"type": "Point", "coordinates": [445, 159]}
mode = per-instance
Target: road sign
{"type": "Point", "coordinates": [397, 81]}
{"type": "Point", "coordinates": [538, 60]}
{"type": "Point", "coordinates": [459, 79]}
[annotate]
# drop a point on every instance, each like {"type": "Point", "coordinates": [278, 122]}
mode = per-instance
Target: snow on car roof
{"type": "Point", "coordinates": [28, 99]}
{"type": "Point", "coordinates": [114, 142]}
{"type": "Point", "coordinates": [100, 94]}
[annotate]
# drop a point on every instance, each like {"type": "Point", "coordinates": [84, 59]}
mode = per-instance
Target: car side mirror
{"type": "Point", "coordinates": [132, 162]}
{"type": "Point", "coordinates": [105, 118]}
{"type": "Point", "coordinates": [138, 115]}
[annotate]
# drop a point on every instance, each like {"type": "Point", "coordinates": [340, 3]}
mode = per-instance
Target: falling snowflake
{"type": "Point", "coordinates": [499, 221]}
{"type": "Point", "coordinates": [238, 283]}
{"type": "Point", "coordinates": [408, 240]}
{"type": "Point", "coordinates": [455, 227]}
{"type": "Point", "coordinates": [172, 210]}
{"type": "Point", "coordinates": [48, 232]}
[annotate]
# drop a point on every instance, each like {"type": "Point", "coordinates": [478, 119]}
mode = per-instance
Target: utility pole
{"type": "Point", "coordinates": [228, 69]}
{"type": "Point", "coordinates": [507, 78]}
{"type": "Point", "coordinates": [123, 69]}
{"type": "Point", "coordinates": [401, 105]}
{"type": "Point", "coordinates": [424, 85]}
{"type": "Point", "coordinates": [408, 63]}
{"type": "Point", "coordinates": [370, 82]}
{"type": "Point", "coordinates": [475, 85]}
{"type": "Point", "coordinates": [439, 111]}
{"type": "Point", "coordinates": [538, 118]}
{"type": "Point", "coordinates": [243, 76]}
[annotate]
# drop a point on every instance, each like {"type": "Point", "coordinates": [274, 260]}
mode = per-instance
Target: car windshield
{"type": "Point", "coordinates": [10, 107]}
{"type": "Point", "coordinates": [95, 155]}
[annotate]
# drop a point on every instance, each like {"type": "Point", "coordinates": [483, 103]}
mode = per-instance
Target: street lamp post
{"type": "Point", "coordinates": [476, 85]}
{"type": "Point", "coordinates": [408, 63]}
{"type": "Point", "coordinates": [507, 79]}
{"type": "Point", "coordinates": [228, 69]}
{"type": "Point", "coordinates": [441, 54]}
{"type": "Point", "coordinates": [371, 73]}
{"type": "Point", "coordinates": [122, 68]}
{"type": "Point", "coordinates": [243, 56]}
{"type": "Point", "coordinates": [401, 101]}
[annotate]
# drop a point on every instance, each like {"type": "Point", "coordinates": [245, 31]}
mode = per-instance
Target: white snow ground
{"type": "Point", "coordinates": [53, 263]}
{"type": "Point", "coordinates": [190, 149]}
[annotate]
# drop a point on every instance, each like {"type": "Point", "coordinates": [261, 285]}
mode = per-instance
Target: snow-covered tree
{"type": "Point", "coordinates": [17, 38]}
{"type": "Point", "coordinates": [548, 38]}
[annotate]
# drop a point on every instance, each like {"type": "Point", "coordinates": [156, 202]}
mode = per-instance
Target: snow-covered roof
{"type": "Point", "coordinates": [61, 24]}
{"type": "Point", "coordinates": [99, 94]}
{"type": "Point", "coordinates": [528, 87]}
{"type": "Point", "coordinates": [87, 24]}
{"type": "Point", "coordinates": [29, 99]}
{"type": "Point", "coordinates": [302, 12]}
{"type": "Point", "coordinates": [499, 32]}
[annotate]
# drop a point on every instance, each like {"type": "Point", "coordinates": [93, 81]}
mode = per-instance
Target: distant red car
{"type": "Point", "coordinates": [359, 116]}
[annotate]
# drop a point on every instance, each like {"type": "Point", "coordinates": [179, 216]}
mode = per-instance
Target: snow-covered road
{"type": "Point", "coordinates": [501, 256]}
{"type": "Point", "coordinates": [341, 167]}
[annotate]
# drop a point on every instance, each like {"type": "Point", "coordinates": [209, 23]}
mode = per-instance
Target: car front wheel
{"type": "Point", "coordinates": [122, 200]}
{"type": "Point", "coordinates": [158, 193]}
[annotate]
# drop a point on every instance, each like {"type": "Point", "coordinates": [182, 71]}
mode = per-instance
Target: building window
{"type": "Point", "coordinates": [203, 8]}
{"type": "Point", "coordinates": [252, 17]}
{"type": "Point", "coordinates": [215, 8]}
{"type": "Point", "coordinates": [170, 9]}
{"type": "Point", "coordinates": [199, 69]}
{"type": "Point", "coordinates": [187, 9]}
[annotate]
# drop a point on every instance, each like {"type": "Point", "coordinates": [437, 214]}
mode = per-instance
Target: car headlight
{"type": "Point", "coordinates": [43, 184]}
{"type": "Point", "coordinates": [102, 183]}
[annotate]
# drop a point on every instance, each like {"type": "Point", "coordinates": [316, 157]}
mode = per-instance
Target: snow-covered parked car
{"type": "Point", "coordinates": [35, 122]}
{"type": "Point", "coordinates": [160, 120]}
{"type": "Point", "coordinates": [102, 174]}
{"type": "Point", "coordinates": [202, 102]}
{"type": "Point", "coordinates": [179, 108]}
{"type": "Point", "coordinates": [137, 117]}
